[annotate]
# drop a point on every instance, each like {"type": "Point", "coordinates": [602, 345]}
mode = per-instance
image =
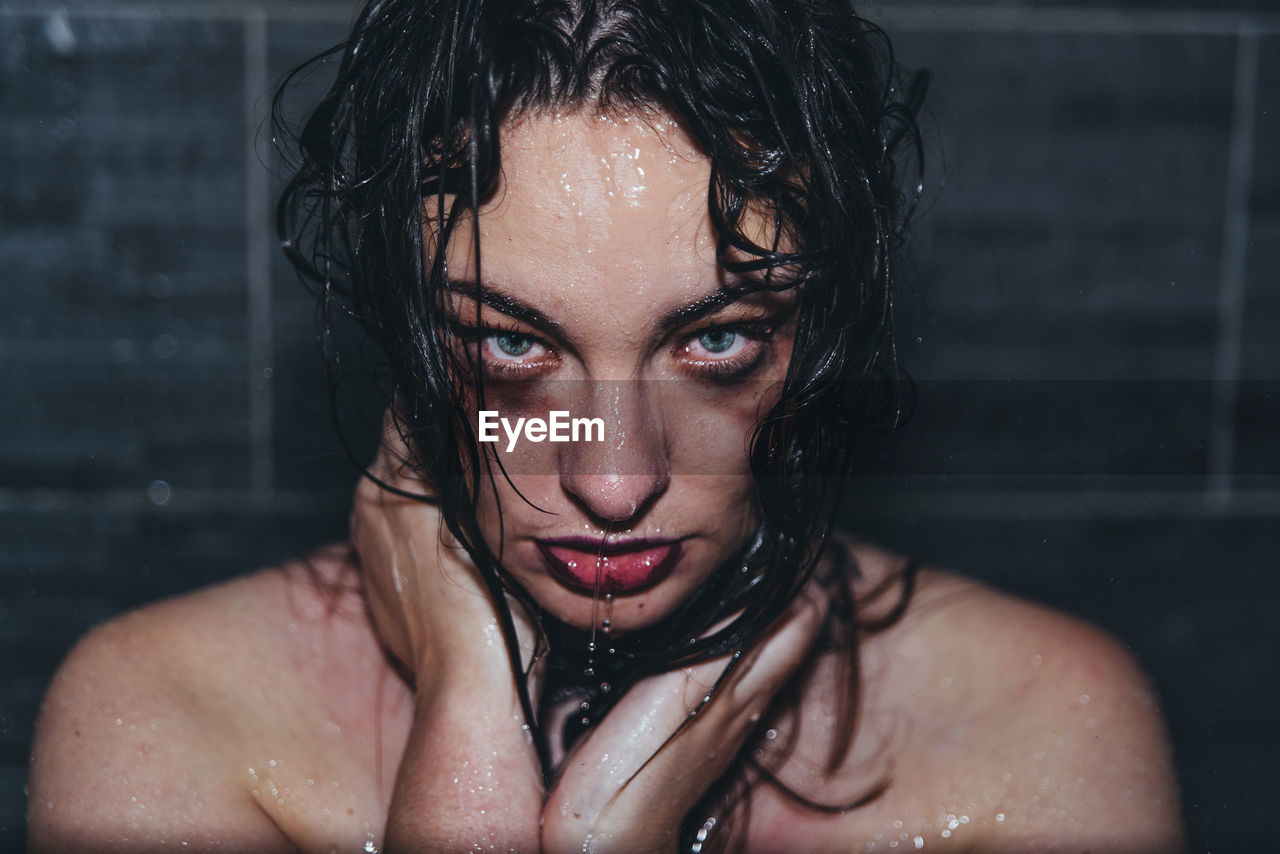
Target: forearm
{"type": "Point", "coordinates": [469, 778]}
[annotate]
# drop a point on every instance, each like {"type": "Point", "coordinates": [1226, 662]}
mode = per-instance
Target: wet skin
{"type": "Point", "coordinates": [264, 714]}
{"type": "Point", "coordinates": [600, 237]}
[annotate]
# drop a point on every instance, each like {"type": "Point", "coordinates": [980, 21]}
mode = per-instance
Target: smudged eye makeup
{"type": "Point", "coordinates": [726, 353]}
{"type": "Point", "coordinates": [507, 352]}
{"type": "Point", "coordinates": [721, 353]}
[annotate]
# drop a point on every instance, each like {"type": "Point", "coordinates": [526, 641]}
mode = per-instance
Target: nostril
{"type": "Point", "coordinates": [614, 498]}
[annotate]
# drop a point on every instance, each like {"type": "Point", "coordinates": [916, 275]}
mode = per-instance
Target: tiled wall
{"type": "Point", "coordinates": [1092, 314]}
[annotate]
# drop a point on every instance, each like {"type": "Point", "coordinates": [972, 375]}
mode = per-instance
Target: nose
{"type": "Point", "coordinates": [618, 479]}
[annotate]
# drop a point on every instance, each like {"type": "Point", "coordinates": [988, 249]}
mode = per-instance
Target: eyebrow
{"type": "Point", "coordinates": [522, 311]}
{"type": "Point", "coordinates": [505, 303]}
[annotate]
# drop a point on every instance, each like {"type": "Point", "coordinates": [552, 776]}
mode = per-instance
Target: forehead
{"type": "Point", "coordinates": [585, 200]}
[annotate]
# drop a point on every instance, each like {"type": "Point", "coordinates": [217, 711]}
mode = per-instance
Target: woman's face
{"type": "Point", "coordinates": [601, 298]}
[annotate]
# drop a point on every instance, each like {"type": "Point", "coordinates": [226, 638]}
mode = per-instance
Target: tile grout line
{"type": "Point", "coordinates": [1072, 19]}
{"type": "Point", "coordinates": [1231, 282]}
{"type": "Point", "coordinates": [992, 504]}
{"type": "Point", "coordinates": [984, 17]}
{"type": "Point", "coordinates": [215, 10]}
{"type": "Point", "coordinates": [257, 258]}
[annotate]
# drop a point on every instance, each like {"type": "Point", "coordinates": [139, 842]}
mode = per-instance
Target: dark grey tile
{"type": "Point", "coordinates": [291, 43]}
{"type": "Point", "coordinates": [1258, 410]}
{"type": "Point", "coordinates": [18, 717]}
{"type": "Point", "coordinates": [97, 561]}
{"type": "Point", "coordinates": [13, 807]}
{"type": "Point", "coordinates": [308, 452]}
{"type": "Point", "coordinates": [308, 448]}
{"type": "Point", "coordinates": [124, 250]}
{"type": "Point", "coordinates": [126, 413]}
{"type": "Point", "coordinates": [1089, 434]}
{"type": "Point", "coordinates": [1257, 424]}
{"type": "Point", "coordinates": [1073, 215]}
{"type": "Point", "coordinates": [879, 7]}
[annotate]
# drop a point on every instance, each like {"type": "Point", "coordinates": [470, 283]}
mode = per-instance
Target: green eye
{"type": "Point", "coordinates": [512, 344]}
{"type": "Point", "coordinates": [717, 340]}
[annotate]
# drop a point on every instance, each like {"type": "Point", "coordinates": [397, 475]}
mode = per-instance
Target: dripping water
{"type": "Point", "coordinates": [590, 670]}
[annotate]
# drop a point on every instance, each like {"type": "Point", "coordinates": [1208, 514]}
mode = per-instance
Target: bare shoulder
{"type": "Point", "coordinates": [1047, 722]}
{"type": "Point", "coordinates": [148, 725]}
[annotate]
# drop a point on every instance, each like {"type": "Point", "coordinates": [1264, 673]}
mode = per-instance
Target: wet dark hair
{"type": "Point", "coordinates": [796, 105]}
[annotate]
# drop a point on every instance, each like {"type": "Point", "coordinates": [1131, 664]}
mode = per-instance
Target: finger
{"type": "Point", "coordinates": [771, 661]}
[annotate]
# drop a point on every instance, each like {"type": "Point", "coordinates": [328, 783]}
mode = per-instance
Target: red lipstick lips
{"type": "Point", "coordinates": [620, 567]}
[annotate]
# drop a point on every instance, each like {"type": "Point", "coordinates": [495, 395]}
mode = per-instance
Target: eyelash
{"type": "Point", "coordinates": [717, 370]}
{"type": "Point", "coordinates": [737, 366]}
{"type": "Point", "coordinates": [478, 335]}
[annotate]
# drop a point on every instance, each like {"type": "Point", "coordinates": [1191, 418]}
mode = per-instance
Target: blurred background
{"type": "Point", "coordinates": [1091, 312]}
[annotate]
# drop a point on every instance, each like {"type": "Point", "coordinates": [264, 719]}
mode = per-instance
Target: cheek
{"type": "Point", "coordinates": [710, 432]}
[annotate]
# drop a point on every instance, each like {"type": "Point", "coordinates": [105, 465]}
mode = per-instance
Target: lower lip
{"type": "Point", "coordinates": [618, 573]}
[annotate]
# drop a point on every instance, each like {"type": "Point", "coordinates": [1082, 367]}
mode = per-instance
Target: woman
{"type": "Point", "coordinates": [673, 224]}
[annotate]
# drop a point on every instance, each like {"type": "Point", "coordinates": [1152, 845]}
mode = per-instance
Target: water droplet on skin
{"type": "Point", "coordinates": [999, 817]}
{"type": "Point", "coordinates": [1084, 698]}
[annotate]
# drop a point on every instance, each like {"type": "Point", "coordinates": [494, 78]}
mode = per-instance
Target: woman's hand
{"type": "Point", "coordinates": [431, 607]}
{"type": "Point", "coordinates": [594, 808]}
{"type": "Point", "coordinates": [470, 774]}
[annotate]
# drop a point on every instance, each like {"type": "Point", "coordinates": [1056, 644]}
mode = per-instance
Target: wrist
{"type": "Point", "coordinates": [469, 778]}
